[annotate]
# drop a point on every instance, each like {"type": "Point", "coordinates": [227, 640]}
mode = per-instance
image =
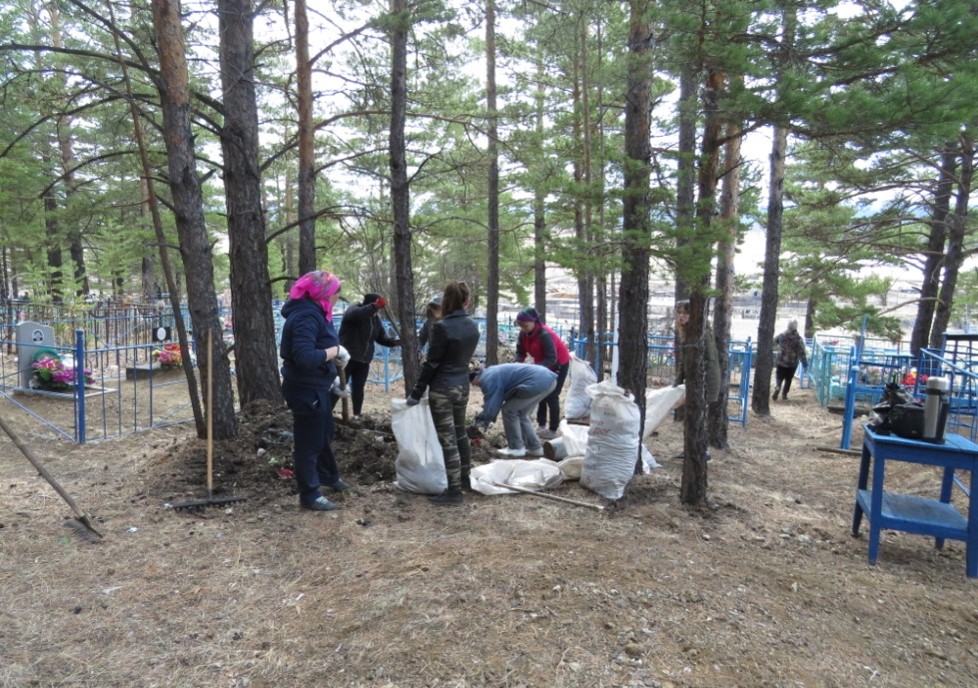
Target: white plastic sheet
{"type": "Point", "coordinates": [536, 474]}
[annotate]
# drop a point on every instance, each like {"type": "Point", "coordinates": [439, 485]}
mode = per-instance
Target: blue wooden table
{"type": "Point", "coordinates": [937, 518]}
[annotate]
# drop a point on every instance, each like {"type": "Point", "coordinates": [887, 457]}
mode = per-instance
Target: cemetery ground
{"type": "Point", "coordinates": [765, 587]}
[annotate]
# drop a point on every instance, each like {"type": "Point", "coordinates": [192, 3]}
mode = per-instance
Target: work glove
{"type": "Point", "coordinates": [339, 390]}
{"type": "Point", "coordinates": [342, 358]}
{"type": "Point", "coordinates": [397, 342]}
{"type": "Point", "coordinates": [381, 302]}
{"type": "Point", "coordinates": [411, 401]}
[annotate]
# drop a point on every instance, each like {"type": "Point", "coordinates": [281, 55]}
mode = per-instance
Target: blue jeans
{"type": "Point", "coordinates": [516, 421]}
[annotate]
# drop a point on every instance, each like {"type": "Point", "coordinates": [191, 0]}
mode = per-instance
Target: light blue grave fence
{"type": "Point", "coordinates": [662, 366]}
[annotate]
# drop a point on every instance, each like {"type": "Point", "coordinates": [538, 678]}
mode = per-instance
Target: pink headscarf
{"type": "Point", "coordinates": [318, 285]}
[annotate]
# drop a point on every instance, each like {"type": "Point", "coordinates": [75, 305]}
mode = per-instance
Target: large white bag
{"type": "Point", "coordinates": [612, 440]}
{"type": "Point", "coordinates": [578, 403]}
{"type": "Point", "coordinates": [420, 462]}
{"type": "Point", "coordinates": [658, 404]}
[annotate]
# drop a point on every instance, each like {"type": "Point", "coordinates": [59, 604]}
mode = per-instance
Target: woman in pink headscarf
{"type": "Point", "coordinates": [311, 354]}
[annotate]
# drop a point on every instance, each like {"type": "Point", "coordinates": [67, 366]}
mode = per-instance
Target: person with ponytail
{"type": "Point", "coordinates": [540, 343]}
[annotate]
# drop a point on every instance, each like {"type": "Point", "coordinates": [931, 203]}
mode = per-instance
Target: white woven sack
{"type": "Point", "coordinates": [420, 462]}
{"type": "Point", "coordinates": [578, 403]}
{"type": "Point", "coordinates": [612, 440]}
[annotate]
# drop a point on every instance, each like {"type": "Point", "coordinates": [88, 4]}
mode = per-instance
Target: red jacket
{"type": "Point", "coordinates": [543, 346]}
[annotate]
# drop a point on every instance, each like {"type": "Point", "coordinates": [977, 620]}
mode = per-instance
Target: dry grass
{"type": "Point", "coordinates": [765, 588]}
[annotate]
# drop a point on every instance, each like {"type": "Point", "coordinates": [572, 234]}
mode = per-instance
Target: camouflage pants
{"type": "Point", "coordinates": [448, 407]}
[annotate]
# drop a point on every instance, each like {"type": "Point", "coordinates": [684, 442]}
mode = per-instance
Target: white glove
{"type": "Point", "coordinates": [339, 390]}
{"type": "Point", "coordinates": [342, 358]}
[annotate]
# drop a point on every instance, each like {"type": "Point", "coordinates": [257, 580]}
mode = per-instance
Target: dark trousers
{"type": "Point", "coordinates": [783, 375]}
{"type": "Point", "coordinates": [448, 414]}
{"type": "Point", "coordinates": [312, 430]}
{"type": "Point", "coordinates": [552, 402]}
{"type": "Point", "coordinates": [357, 373]}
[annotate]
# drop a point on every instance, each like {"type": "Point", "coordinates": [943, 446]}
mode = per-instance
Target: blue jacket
{"type": "Point", "coordinates": [503, 382]}
{"type": "Point", "coordinates": [305, 337]}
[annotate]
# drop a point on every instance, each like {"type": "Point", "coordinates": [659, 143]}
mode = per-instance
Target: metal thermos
{"type": "Point", "coordinates": [935, 409]}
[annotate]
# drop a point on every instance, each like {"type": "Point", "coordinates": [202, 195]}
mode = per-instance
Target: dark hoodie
{"type": "Point", "coordinates": [305, 337]}
{"type": "Point", "coordinates": [361, 327]}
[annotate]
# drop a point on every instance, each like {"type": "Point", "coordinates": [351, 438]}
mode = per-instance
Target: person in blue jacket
{"type": "Point", "coordinates": [311, 352]}
{"type": "Point", "coordinates": [360, 329]}
{"type": "Point", "coordinates": [514, 389]}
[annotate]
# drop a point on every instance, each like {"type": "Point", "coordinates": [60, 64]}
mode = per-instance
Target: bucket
{"type": "Point", "coordinates": [554, 449]}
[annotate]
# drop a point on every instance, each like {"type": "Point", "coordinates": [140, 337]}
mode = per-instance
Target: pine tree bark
{"type": "Point", "coordinates": [251, 292]}
{"type": "Point", "coordinates": [188, 210]}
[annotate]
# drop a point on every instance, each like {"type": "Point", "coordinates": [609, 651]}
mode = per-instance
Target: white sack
{"type": "Point", "coordinates": [571, 467]}
{"type": "Point", "coordinates": [574, 437]}
{"type": "Point", "coordinates": [658, 404]}
{"type": "Point", "coordinates": [420, 462]}
{"type": "Point", "coordinates": [536, 474]}
{"type": "Point", "coordinates": [612, 441]}
{"type": "Point", "coordinates": [578, 403]}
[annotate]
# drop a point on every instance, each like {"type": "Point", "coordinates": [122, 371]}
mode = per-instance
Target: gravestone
{"type": "Point", "coordinates": [31, 337]}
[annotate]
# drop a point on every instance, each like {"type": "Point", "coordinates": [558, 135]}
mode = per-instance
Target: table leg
{"type": "Point", "coordinates": [971, 544]}
{"type": "Point", "coordinates": [876, 510]}
{"type": "Point", "coordinates": [947, 485]}
{"type": "Point", "coordinates": [857, 512]}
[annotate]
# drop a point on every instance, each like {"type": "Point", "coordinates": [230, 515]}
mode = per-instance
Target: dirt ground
{"type": "Point", "coordinates": [766, 587]}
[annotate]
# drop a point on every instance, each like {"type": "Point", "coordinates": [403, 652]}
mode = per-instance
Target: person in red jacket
{"type": "Point", "coordinates": [539, 342]}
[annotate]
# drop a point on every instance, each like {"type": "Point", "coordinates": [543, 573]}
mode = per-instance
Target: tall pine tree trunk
{"type": "Point", "coordinates": [492, 190]}
{"type": "Point", "coordinates": [251, 291]}
{"type": "Point", "coordinates": [934, 258]}
{"type": "Point", "coordinates": [957, 226]}
{"type": "Point", "coordinates": [633, 333]}
{"type": "Point", "coordinates": [400, 191]}
{"type": "Point", "coordinates": [188, 210]}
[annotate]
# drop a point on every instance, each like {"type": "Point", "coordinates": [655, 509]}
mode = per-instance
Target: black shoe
{"type": "Point", "coordinates": [776, 390]}
{"type": "Point", "coordinates": [339, 486]}
{"type": "Point", "coordinates": [321, 504]}
{"type": "Point", "coordinates": [466, 483]}
{"type": "Point", "coordinates": [447, 498]}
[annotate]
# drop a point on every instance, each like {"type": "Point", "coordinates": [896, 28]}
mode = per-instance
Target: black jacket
{"type": "Point", "coordinates": [453, 341]}
{"type": "Point", "coordinates": [305, 337]}
{"type": "Point", "coordinates": [360, 328]}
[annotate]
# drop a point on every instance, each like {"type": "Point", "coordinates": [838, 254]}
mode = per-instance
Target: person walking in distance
{"type": "Point", "coordinates": [541, 343]}
{"type": "Point", "coordinates": [791, 351]}
{"type": "Point", "coordinates": [445, 376]}
{"type": "Point", "coordinates": [360, 329]}
{"type": "Point", "coordinates": [311, 354]}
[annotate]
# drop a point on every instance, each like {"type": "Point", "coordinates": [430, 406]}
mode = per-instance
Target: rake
{"type": "Point", "coordinates": [80, 524]}
{"type": "Point", "coordinates": [211, 499]}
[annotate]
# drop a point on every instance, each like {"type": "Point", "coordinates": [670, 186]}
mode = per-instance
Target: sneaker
{"type": "Point", "coordinates": [512, 453]}
{"type": "Point", "coordinates": [776, 390]}
{"type": "Point", "coordinates": [339, 486]}
{"type": "Point", "coordinates": [466, 483]}
{"type": "Point", "coordinates": [321, 504]}
{"type": "Point", "coordinates": [535, 452]}
{"type": "Point", "coordinates": [446, 498]}
{"type": "Point", "coordinates": [546, 433]}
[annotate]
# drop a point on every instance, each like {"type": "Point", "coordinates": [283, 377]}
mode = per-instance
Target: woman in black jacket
{"type": "Point", "coordinates": [360, 329]}
{"type": "Point", "coordinates": [445, 375]}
